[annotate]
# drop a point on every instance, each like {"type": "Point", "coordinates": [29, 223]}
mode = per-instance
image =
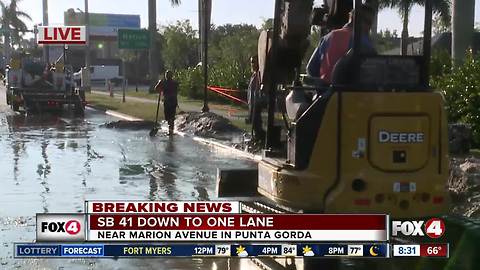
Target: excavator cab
{"type": "Point", "coordinates": [372, 141]}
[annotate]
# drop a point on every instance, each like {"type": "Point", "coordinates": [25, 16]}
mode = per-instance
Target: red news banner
{"type": "Point", "coordinates": [220, 221]}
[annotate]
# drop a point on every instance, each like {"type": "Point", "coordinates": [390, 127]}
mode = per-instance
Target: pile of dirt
{"type": "Point", "coordinates": [206, 125]}
{"type": "Point", "coordinates": [132, 125]}
{"type": "Point", "coordinates": [209, 125]}
{"type": "Point", "coordinates": [464, 186]}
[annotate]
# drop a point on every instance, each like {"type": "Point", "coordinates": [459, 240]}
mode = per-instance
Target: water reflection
{"type": "Point", "coordinates": [45, 168]}
{"type": "Point", "coordinates": [86, 165]}
{"type": "Point", "coordinates": [58, 163]}
{"type": "Point", "coordinates": [43, 172]}
{"type": "Point", "coordinates": [163, 181]}
{"type": "Point", "coordinates": [152, 195]}
{"type": "Point", "coordinates": [18, 147]}
{"type": "Point", "coordinates": [202, 193]}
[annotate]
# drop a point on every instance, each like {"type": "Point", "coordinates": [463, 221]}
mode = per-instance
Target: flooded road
{"type": "Point", "coordinates": [53, 164]}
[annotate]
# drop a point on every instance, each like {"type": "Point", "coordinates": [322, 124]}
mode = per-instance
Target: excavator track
{"type": "Point", "coordinates": [256, 207]}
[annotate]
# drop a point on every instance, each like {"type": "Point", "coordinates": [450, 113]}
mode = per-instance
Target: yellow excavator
{"type": "Point", "coordinates": [373, 141]}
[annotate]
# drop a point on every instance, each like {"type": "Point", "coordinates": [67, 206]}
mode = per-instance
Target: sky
{"type": "Point", "coordinates": [223, 11]}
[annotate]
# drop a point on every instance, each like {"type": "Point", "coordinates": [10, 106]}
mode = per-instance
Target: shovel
{"type": "Point", "coordinates": [154, 130]}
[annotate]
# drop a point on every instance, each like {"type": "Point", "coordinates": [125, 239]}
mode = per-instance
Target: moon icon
{"type": "Point", "coordinates": [374, 251]}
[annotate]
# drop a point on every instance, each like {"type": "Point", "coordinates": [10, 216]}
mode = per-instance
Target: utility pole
{"type": "Point", "coordinates": [463, 21]}
{"type": "Point", "coordinates": [124, 84]}
{"type": "Point", "coordinates": [153, 56]}
{"type": "Point", "coordinates": [200, 31]}
{"type": "Point", "coordinates": [136, 70]}
{"type": "Point", "coordinates": [87, 48]}
{"type": "Point", "coordinates": [46, 51]}
{"type": "Point", "coordinates": [207, 11]}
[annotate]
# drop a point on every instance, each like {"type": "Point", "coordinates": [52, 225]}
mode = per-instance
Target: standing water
{"type": "Point", "coordinates": [53, 164]}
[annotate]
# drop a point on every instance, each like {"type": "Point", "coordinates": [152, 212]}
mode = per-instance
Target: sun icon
{"type": "Point", "coordinates": [240, 249]}
{"type": "Point", "coordinates": [241, 252]}
{"type": "Point", "coordinates": [307, 251]}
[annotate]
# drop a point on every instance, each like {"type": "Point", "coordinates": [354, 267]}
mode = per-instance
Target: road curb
{"type": "Point", "coordinates": [230, 149]}
{"type": "Point", "coordinates": [214, 144]}
{"type": "Point", "coordinates": [120, 115]}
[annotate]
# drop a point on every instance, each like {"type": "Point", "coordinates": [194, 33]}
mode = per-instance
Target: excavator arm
{"type": "Point", "coordinates": [281, 50]}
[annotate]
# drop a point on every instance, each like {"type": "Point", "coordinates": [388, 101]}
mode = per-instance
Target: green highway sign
{"type": "Point", "coordinates": [133, 39]}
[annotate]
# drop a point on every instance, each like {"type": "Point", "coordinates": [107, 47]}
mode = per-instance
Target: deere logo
{"type": "Point", "coordinates": [400, 137]}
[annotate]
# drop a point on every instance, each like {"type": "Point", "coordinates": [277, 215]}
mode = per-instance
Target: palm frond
{"type": "Point", "coordinates": [444, 9]}
{"type": "Point", "coordinates": [175, 2]}
{"type": "Point", "coordinates": [382, 4]}
{"type": "Point", "coordinates": [4, 11]}
{"type": "Point", "coordinates": [441, 7]}
{"type": "Point", "coordinates": [23, 14]}
{"type": "Point", "coordinates": [12, 16]}
{"type": "Point", "coordinates": [18, 24]}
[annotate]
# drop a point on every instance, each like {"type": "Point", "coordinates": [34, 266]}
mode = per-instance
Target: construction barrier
{"type": "Point", "coordinates": [223, 92]}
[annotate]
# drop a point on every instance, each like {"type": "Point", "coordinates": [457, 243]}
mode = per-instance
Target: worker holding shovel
{"type": "Point", "coordinates": [168, 87]}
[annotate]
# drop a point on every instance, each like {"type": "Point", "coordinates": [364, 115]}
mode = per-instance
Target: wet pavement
{"type": "Point", "coordinates": [54, 163]}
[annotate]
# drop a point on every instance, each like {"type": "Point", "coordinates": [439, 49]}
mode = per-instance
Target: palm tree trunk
{"type": "Point", "coordinates": [462, 28]}
{"type": "Point", "coordinates": [6, 46]}
{"type": "Point", "coordinates": [153, 56]}
{"type": "Point", "coordinates": [87, 83]}
{"type": "Point", "coordinates": [374, 28]}
{"type": "Point", "coordinates": [404, 40]}
{"type": "Point", "coordinates": [46, 55]}
{"type": "Point", "coordinates": [200, 32]}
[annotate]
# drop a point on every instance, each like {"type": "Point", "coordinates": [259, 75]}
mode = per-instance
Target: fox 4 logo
{"type": "Point", "coordinates": [60, 227]}
{"type": "Point", "coordinates": [433, 228]}
{"type": "Point", "coordinates": [71, 227]}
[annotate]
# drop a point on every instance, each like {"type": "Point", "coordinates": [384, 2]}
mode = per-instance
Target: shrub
{"type": "Point", "coordinates": [191, 82]}
{"type": "Point", "coordinates": [225, 75]}
{"type": "Point", "coordinates": [440, 64]}
{"type": "Point", "coordinates": [461, 88]}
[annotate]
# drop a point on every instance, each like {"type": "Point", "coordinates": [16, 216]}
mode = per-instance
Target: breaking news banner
{"type": "Point", "coordinates": [376, 250]}
{"type": "Point", "coordinates": [237, 227]}
{"type": "Point", "coordinates": [171, 207]}
{"type": "Point", "coordinates": [197, 221]}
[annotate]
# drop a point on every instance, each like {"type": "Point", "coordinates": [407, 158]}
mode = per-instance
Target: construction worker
{"type": "Point", "coordinates": [337, 43]}
{"type": "Point", "coordinates": [168, 87]}
{"type": "Point", "coordinates": [48, 73]}
{"type": "Point", "coordinates": [256, 101]}
{"type": "Point", "coordinates": [253, 86]}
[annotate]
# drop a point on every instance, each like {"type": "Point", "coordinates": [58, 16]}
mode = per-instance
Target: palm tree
{"type": "Point", "coordinates": [440, 7]}
{"type": "Point", "coordinates": [12, 19]}
{"type": "Point", "coordinates": [152, 26]}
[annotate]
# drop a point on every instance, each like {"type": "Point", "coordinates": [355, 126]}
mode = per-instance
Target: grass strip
{"type": "Point", "coordinates": [141, 110]}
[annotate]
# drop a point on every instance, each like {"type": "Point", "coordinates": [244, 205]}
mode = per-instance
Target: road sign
{"type": "Point", "coordinates": [133, 39]}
